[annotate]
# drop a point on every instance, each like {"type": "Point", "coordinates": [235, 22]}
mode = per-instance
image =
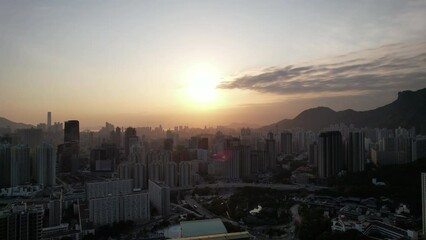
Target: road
{"type": "Point", "coordinates": [203, 211]}
{"type": "Point", "coordinates": [200, 209]}
{"type": "Point", "coordinates": [186, 210]}
{"type": "Point", "coordinates": [258, 185]}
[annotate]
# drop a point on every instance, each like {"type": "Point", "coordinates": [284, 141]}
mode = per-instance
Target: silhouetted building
{"type": "Point", "coordinates": [356, 152]}
{"type": "Point", "coordinates": [232, 163]}
{"type": "Point", "coordinates": [101, 161]}
{"type": "Point", "coordinates": [231, 143]}
{"type": "Point", "coordinates": [21, 222]}
{"type": "Point", "coordinates": [67, 157]}
{"type": "Point", "coordinates": [330, 154]}
{"type": "Point", "coordinates": [313, 154]}
{"type": "Point", "coordinates": [117, 137]}
{"type": "Point", "coordinates": [203, 143]}
{"type": "Point", "coordinates": [271, 151]}
{"type": "Point", "coordinates": [49, 120]}
{"type": "Point", "coordinates": [45, 165]}
{"type": "Point", "coordinates": [286, 143]}
{"type": "Point", "coordinates": [258, 161]}
{"type": "Point", "coordinates": [245, 161]}
{"type": "Point", "coordinates": [31, 136]}
{"type": "Point", "coordinates": [129, 134]}
{"type": "Point", "coordinates": [170, 174]}
{"type": "Point", "coordinates": [419, 148]}
{"type": "Point", "coordinates": [20, 167]}
{"type": "Point", "coordinates": [72, 131]}
{"type": "Point", "coordinates": [5, 165]}
{"type": "Point", "coordinates": [168, 144]}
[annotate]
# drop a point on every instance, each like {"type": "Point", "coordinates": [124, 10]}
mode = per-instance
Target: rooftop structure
{"type": "Point", "coordinates": [202, 228]}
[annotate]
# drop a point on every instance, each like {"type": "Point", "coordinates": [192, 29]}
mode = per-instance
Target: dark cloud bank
{"type": "Point", "coordinates": [389, 68]}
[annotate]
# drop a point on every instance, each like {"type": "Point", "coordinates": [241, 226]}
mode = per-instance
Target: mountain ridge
{"type": "Point", "coordinates": [6, 123]}
{"type": "Point", "coordinates": [408, 110]}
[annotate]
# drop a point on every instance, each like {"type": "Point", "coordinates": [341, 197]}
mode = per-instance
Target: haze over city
{"type": "Point", "coordinates": [204, 63]}
{"type": "Point", "coordinates": [212, 120]}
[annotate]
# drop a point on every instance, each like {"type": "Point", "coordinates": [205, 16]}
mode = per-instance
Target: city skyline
{"type": "Point", "coordinates": [215, 119]}
{"type": "Point", "coordinates": [205, 63]}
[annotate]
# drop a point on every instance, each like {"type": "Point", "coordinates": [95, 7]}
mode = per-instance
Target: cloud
{"type": "Point", "coordinates": [388, 68]}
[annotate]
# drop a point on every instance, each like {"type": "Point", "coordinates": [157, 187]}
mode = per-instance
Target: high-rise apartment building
{"type": "Point", "coordinates": [159, 195]}
{"type": "Point", "coordinates": [21, 222]}
{"type": "Point", "coordinates": [170, 174]}
{"type": "Point", "coordinates": [20, 165]}
{"type": "Point", "coordinates": [140, 176]}
{"type": "Point", "coordinates": [115, 208]}
{"type": "Point", "coordinates": [232, 163]}
{"type": "Point", "coordinates": [286, 143]}
{"type": "Point", "coordinates": [330, 154]}
{"type": "Point", "coordinates": [245, 161]}
{"type": "Point", "coordinates": [45, 165]}
{"type": "Point", "coordinates": [313, 154]}
{"type": "Point", "coordinates": [258, 161]}
{"type": "Point", "coordinates": [108, 188]}
{"type": "Point", "coordinates": [5, 165]}
{"type": "Point", "coordinates": [185, 174]}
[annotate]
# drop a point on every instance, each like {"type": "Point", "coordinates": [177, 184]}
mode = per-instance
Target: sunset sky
{"type": "Point", "coordinates": [203, 63]}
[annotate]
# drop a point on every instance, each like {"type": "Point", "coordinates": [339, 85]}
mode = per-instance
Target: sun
{"type": "Point", "coordinates": [201, 85]}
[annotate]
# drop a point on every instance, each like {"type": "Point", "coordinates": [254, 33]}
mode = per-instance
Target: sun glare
{"type": "Point", "coordinates": [201, 87]}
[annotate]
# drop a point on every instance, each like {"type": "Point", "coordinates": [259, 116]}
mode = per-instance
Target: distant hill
{"type": "Point", "coordinates": [409, 110]}
{"type": "Point", "coordinates": [6, 123]}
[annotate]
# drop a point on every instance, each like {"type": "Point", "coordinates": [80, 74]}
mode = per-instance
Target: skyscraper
{"type": "Point", "coordinates": [49, 120]}
{"type": "Point", "coordinates": [72, 131]}
{"type": "Point", "coordinates": [67, 153]}
{"type": "Point", "coordinates": [67, 157]}
{"type": "Point", "coordinates": [355, 154]}
{"type": "Point", "coordinates": [271, 151]}
{"type": "Point", "coordinates": [330, 154]}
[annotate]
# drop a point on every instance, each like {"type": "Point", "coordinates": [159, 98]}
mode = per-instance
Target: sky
{"type": "Point", "coordinates": [205, 63]}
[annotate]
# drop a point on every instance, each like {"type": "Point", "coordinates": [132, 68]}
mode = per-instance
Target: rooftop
{"type": "Point", "coordinates": [223, 236]}
{"type": "Point", "coordinates": [202, 228]}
